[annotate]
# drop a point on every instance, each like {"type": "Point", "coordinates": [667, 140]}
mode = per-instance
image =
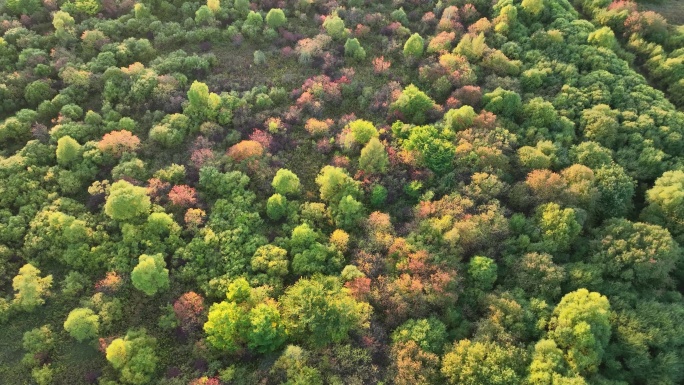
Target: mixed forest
{"type": "Point", "coordinates": [355, 192]}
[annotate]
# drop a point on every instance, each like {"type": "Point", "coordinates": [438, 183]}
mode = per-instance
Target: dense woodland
{"type": "Point", "coordinates": [341, 192]}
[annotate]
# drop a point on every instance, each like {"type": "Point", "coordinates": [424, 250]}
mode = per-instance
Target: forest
{"type": "Point", "coordinates": [310, 192]}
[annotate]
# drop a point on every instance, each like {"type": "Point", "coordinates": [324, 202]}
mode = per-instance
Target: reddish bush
{"type": "Point", "coordinates": [245, 150]}
{"type": "Point", "coordinates": [188, 308]}
{"type": "Point", "coordinates": [380, 65]}
{"type": "Point", "coordinates": [261, 137]}
{"type": "Point", "coordinates": [157, 188]}
{"type": "Point", "coordinates": [109, 284]}
{"type": "Point", "coordinates": [201, 156]}
{"type": "Point", "coordinates": [183, 196]}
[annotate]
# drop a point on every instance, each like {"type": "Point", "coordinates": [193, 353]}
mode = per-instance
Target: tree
{"type": "Point", "coordinates": [484, 363]}
{"type": "Point", "coordinates": [266, 332]}
{"type": "Point", "coordinates": [616, 190]}
{"type": "Point", "coordinates": [151, 274]}
{"type": "Point", "coordinates": [37, 92]}
{"type": "Point", "coordinates": [666, 201]}
{"type": "Point", "coordinates": [348, 213]}
{"type": "Point", "coordinates": [226, 326]}
{"type": "Point", "coordinates": [362, 131]}
{"type": "Point", "coordinates": [23, 7]}
{"type": "Point", "coordinates": [188, 308]}
{"type": "Point", "coordinates": [503, 102]}
{"type": "Point", "coordinates": [602, 37]}
{"type": "Point", "coordinates": [538, 275]}
{"type": "Point", "coordinates": [335, 183]}
{"type": "Point", "coordinates": [413, 365]}
{"type": "Point", "coordinates": [430, 334]}
{"type": "Point", "coordinates": [67, 150]}
{"type": "Point", "coordinates": [460, 119]}
{"type": "Point", "coordinates": [559, 227]}
{"type": "Point", "coordinates": [533, 7]}
{"type": "Point", "coordinates": [30, 288]}
{"type": "Point", "coordinates": [414, 47]}
{"type": "Point", "coordinates": [641, 254]}
{"type": "Point", "coordinates": [134, 356]}
{"type": "Point", "coordinates": [483, 272]}
{"type": "Point", "coordinates": [116, 143]}
{"type": "Point", "coordinates": [285, 182]}
{"type": "Point", "coordinates": [126, 202]}
{"type": "Point", "coordinates": [271, 260]}
{"type": "Point", "coordinates": [319, 311]}
{"type": "Point", "coordinates": [334, 26]}
{"type": "Point", "coordinates": [373, 157]}
{"type": "Point", "coordinates": [275, 18]}
{"type": "Point", "coordinates": [353, 49]}
{"type": "Point", "coordinates": [276, 207]}
{"type": "Point", "coordinates": [600, 124]}
{"type": "Point", "coordinates": [413, 104]}
{"type": "Point", "coordinates": [580, 326]}
{"type": "Point", "coordinates": [82, 324]}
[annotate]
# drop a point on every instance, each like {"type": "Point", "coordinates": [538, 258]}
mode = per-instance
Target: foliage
{"type": "Point", "coordinates": [126, 202]}
{"type": "Point", "coordinates": [82, 324]}
{"type": "Point", "coordinates": [30, 288]}
{"type": "Point", "coordinates": [150, 275]}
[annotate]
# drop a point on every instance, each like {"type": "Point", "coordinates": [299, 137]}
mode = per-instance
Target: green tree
{"type": "Point", "coordinates": [430, 334]}
{"type": "Point", "coordinates": [126, 202]}
{"type": "Point", "coordinates": [335, 183]}
{"type": "Point", "coordinates": [67, 150]}
{"type": "Point", "coordinates": [484, 363]}
{"type": "Point", "coordinates": [266, 331]}
{"type": "Point", "coordinates": [285, 182]}
{"type": "Point", "coordinates": [276, 207]}
{"type": "Point", "coordinates": [226, 326]}
{"type": "Point", "coordinates": [24, 7]}
{"type": "Point", "coordinates": [275, 18]}
{"type": "Point", "coordinates": [374, 157]}
{"type": "Point", "coordinates": [151, 274]}
{"type": "Point", "coordinates": [353, 49]}
{"type": "Point", "coordinates": [348, 213]}
{"type": "Point", "coordinates": [616, 190]}
{"type": "Point", "coordinates": [271, 260]}
{"type": "Point", "coordinates": [483, 272]}
{"type": "Point", "coordinates": [334, 26]}
{"type": "Point", "coordinates": [641, 255]}
{"type": "Point", "coordinates": [414, 47]}
{"type": "Point", "coordinates": [460, 119]}
{"type": "Point", "coordinates": [413, 104]}
{"type": "Point", "coordinates": [82, 324]}
{"type": "Point", "coordinates": [503, 102]}
{"type": "Point", "coordinates": [666, 202]}
{"type": "Point", "coordinates": [30, 288]}
{"type": "Point", "coordinates": [362, 131]}
{"type": "Point", "coordinates": [580, 326]}
{"type": "Point", "coordinates": [37, 92]}
{"type": "Point", "coordinates": [134, 356]}
{"type": "Point", "coordinates": [559, 227]}
{"type": "Point", "coordinates": [600, 124]}
{"type": "Point", "coordinates": [603, 37]}
{"type": "Point", "coordinates": [319, 311]}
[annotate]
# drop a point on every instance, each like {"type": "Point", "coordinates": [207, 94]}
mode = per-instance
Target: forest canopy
{"type": "Point", "coordinates": [335, 192]}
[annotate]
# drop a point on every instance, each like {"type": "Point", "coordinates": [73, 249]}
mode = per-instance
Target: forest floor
{"type": "Point", "coordinates": [672, 10]}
